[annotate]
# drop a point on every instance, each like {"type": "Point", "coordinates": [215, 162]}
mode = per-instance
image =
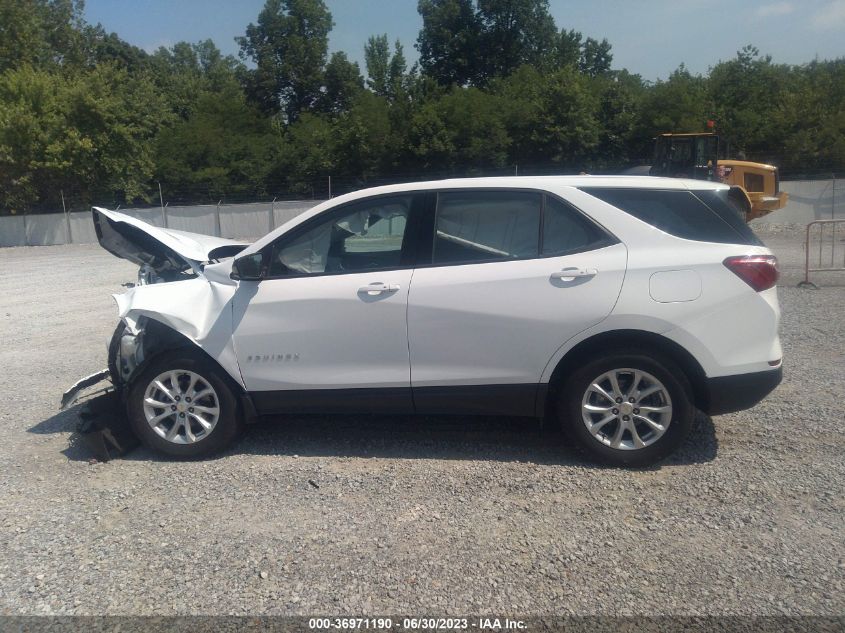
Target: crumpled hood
{"type": "Point", "coordinates": [161, 249]}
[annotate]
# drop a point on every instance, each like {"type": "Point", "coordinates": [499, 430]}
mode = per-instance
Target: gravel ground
{"type": "Point", "coordinates": [431, 516]}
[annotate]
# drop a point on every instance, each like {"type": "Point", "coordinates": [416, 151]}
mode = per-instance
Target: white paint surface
{"type": "Point", "coordinates": [669, 286]}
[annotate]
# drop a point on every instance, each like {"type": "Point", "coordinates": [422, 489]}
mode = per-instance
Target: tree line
{"type": "Point", "coordinates": [499, 87]}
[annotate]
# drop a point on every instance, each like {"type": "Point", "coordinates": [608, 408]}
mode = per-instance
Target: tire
{"type": "Point", "coordinates": [211, 424]}
{"type": "Point", "coordinates": [664, 396]}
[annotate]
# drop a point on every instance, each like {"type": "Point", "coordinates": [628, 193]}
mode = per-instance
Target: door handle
{"type": "Point", "coordinates": [377, 288]}
{"type": "Point", "coordinates": [568, 274]}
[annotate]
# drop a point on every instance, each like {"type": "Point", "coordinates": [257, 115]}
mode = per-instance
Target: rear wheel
{"type": "Point", "coordinates": [182, 405]}
{"type": "Point", "coordinates": [627, 408]}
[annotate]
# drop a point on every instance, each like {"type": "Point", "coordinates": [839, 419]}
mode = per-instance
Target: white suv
{"type": "Point", "coordinates": [616, 306]}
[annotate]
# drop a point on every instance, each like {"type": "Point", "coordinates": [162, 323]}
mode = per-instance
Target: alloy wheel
{"type": "Point", "coordinates": [181, 406]}
{"type": "Point", "coordinates": [626, 409]}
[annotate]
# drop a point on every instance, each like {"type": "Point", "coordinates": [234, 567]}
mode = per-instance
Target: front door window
{"type": "Point", "coordinates": [365, 237]}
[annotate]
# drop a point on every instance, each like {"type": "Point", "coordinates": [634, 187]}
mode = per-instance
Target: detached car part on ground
{"type": "Point", "coordinates": [615, 306]}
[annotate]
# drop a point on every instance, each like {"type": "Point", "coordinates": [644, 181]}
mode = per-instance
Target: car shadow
{"type": "Point", "coordinates": [403, 437]}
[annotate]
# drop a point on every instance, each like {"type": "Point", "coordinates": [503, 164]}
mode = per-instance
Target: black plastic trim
{"type": "Point", "coordinates": [506, 400]}
{"type": "Point", "coordinates": [396, 400]}
{"type": "Point", "coordinates": [514, 399]}
{"type": "Point", "coordinates": [728, 394]}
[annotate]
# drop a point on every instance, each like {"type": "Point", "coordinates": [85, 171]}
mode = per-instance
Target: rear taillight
{"type": "Point", "coordinates": [758, 271]}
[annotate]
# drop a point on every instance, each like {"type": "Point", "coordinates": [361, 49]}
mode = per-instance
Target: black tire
{"type": "Point", "coordinates": [229, 422]}
{"type": "Point", "coordinates": [664, 370]}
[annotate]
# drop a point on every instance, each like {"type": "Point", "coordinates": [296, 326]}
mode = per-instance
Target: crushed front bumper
{"type": "Point", "coordinates": [72, 395]}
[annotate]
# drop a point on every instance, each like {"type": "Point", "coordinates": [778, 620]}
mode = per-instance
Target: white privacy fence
{"type": "Point", "coordinates": [239, 221]}
{"type": "Point", "coordinates": [809, 200]}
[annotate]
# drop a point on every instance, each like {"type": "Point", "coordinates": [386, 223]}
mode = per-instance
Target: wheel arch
{"type": "Point", "coordinates": [154, 338]}
{"type": "Point", "coordinates": [157, 338]}
{"type": "Point", "coordinates": [647, 341]}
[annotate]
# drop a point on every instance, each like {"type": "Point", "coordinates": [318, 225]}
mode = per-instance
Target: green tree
{"type": "Point", "coordinates": [343, 83]}
{"type": "Point", "coordinates": [41, 33]}
{"type": "Point", "coordinates": [746, 92]}
{"type": "Point", "coordinates": [185, 71]}
{"type": "Point", "coordinates": [679, 104]}
{"type": "Point", "coordinates": [568, 51]}
{"type": "Point", "coordinates": [377, 59]}
{"type": "Point", "coordinates": [551, 119]}
{"type": "Point", "coordinates": [288, 45]}
{"type": "Point", "coordinates": [516, 32]}
{"type": "Point", "coordinates": [619, 95]}
{"type": "Point", "coordinates": [365, 145]}
{"type": "Point", "coordinates": [83, 111]}
{"type": "Point", "coordinates": [386, 73]}
{"type": "Point", "coordinates": [448, 41]}
{"type": "Point", "coordinates": [306, 155]}
{"type": "Point", "coordinates": [105, 47]}
{"type": "Point", "coordinates": [224, 147]}
{"type": "Point", "coordinates": [397, 71]}
{"type": "Point", "coordinates": [462, 131]}
{"type": "Point", "coordinates": [811, 118]}
{"type": "Point", "coordinates": [89, 133]}
{"type": "Point", "coordinates": [595, 57]}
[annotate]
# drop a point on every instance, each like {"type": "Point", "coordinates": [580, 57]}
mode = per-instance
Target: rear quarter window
{"type": "Point", "coordinates": [725, 204]}
{"type": "Point", "coordinates": [681, 213]}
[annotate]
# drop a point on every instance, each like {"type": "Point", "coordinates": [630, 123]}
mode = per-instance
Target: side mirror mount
{"type": "Point", "coordinates": [248, 267]}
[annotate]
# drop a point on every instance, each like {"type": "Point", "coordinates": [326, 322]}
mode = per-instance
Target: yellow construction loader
{"type": "Point", "coordinates": [697, 156]}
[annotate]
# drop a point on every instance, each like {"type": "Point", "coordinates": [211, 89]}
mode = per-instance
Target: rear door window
{"type": "Point", "coordinates": [480, 226]}
{"type": "Point", "coordinates": [677, 212]}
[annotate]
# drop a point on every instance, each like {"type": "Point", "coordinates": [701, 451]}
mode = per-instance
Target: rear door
{"type": "Point", "coordinates": [512, 275]}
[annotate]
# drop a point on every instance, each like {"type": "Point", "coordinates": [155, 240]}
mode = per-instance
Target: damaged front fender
{"type": "Point", "coordinates": [200, 310]}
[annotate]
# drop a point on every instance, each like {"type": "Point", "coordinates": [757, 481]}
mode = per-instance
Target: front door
{"type": "Point", "coordinates": [326, 330]}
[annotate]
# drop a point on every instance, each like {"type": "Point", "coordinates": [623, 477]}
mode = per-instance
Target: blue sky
{"type": "Point", "coordinates": [649, 37]}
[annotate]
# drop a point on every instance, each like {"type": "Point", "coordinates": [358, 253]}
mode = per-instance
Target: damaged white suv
{"type": "Point", "coordinates": [616, 306]}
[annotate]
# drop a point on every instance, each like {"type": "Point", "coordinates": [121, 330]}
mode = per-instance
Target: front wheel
{"type": "Point", "coordinates": [182, 405]}
{"type": "Point", "coordinates": [627, 409]}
